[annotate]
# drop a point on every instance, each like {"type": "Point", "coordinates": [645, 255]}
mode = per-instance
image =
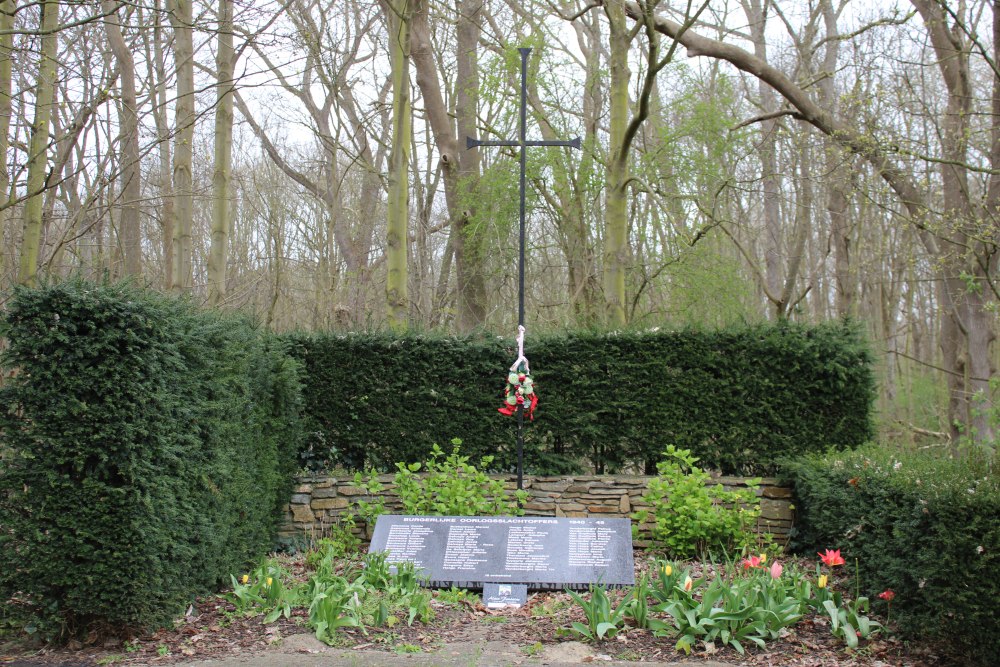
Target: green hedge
{"type": "Point", "coordinates": [738, 398]}
{"type": "Point", "coordinates": [144, 453]}
{"type": "Point", "coordinates": [926, 527]}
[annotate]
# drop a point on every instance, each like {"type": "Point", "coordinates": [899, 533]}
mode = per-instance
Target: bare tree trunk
{"type": "Point", "coordinates": [38, 147]}
{"type": "Point", "coordinates": [470, 262]}
{"type": "Point", "coordinates": [222, 203]}
{"type": "Point", "coordinates": [767, 153]}
{"type": "Point", "coordinates": [837, 200]}
{"type": "Point", "coordinates": [128, 119]}
{"type": "Point", "coordinates": [158, 82]}
{"type": "Point", "coordinates": [6, 110]}
{"type": "Point", "coordinates": [398, 13]}
{"type": "Point", "coordinates": [471, 282]}
{"type": "Point", "coordinates": [616, 206]}
{"type": "Point", "coordinates": [181, 20]}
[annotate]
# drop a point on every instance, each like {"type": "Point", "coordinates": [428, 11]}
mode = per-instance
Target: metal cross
{"type": "Point", "coordinates": [523, 144]}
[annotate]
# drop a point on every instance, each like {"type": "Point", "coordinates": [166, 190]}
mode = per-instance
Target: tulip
{"type": "Point", "coordinates": [822, 581]}
{"type": "Point", "coordinates": [887, 595]}
{"type": "Point", "coordinates": [776, 570]}
{"type": "Point", "coordinates": [751, 562]}
{"type": "Point", "coordinates": [763, 558]}
{"type": "Point", "coordinates": [688, 584]}
{"type": "Point", "coordinates": [244, 579]}
{"type": "Point", "coordinates": [667, 570]}
{"type": "Point", "coordinates": [269, 580]}
{"type": "Point", "coordinates": [831, 557]}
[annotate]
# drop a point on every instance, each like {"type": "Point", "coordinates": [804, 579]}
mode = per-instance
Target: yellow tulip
{"type": "Point", "coordinates": [763, 558]}
{"type": "Point", "coordinates": [269, 580]}
{"type": "Point", "coordinates": [667, 570]}
{"type": "Point", "coordinates": [822, 581]}
{"type": "Point", "coordinates": [245, 579]}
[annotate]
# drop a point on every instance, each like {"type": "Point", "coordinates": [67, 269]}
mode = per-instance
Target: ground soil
{"type": "Point", "coordinates": [211, 630]}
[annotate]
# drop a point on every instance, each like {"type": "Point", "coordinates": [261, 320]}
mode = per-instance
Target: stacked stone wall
{"type": "Point", "coordinates": [318, 502]}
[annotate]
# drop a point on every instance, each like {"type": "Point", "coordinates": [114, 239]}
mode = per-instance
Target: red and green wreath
{"type": "Point", "coordinates": [520, 391]}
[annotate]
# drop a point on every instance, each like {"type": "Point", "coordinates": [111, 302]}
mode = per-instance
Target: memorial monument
{"type": "Point", "coordinates": [506, 555]}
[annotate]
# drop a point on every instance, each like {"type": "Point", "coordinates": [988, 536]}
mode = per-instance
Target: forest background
{"type": "Point", "coordinates": [742, 160]}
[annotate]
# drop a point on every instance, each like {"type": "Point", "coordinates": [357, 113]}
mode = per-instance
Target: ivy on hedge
{"type": "Point", "coordinates": [925, 527]}
{"type": "Point", "coordinates": [144, 452]}
{"type": "Point", "coordinates": [739, 399]}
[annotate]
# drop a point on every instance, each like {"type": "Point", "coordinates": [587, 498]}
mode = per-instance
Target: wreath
{"type": "Point", "coordinates": [520, 388]}
{"type": "Point", "coordinates": [520, 391]}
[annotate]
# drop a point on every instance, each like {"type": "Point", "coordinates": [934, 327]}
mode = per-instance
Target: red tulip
{"type": "Point", "coordinates": [887, 595]}
{"type": "Point", "coordinates": [831, 557]}
{"type": "Point", "coordinates": [752, 561]}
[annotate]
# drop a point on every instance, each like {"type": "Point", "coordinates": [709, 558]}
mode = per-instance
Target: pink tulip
{"type": "Point", "coordinates": [776, 570]}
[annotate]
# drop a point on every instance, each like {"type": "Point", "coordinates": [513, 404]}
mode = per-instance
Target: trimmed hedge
{"type": "Point", "coordinates": [926, 527]}
{"type": "Point", "coordinates": [738, 398]}
{"type": "Point", "coordinates": [143, 453]}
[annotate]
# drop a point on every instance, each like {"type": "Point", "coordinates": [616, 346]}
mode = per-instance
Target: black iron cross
{"type": "Point", "coordinates": [523, 143]}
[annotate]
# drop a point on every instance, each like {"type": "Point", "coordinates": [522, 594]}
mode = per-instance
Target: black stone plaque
{"type": "Point", "coordinates": [502, 596]}
{"type": "Point", "coordinates": [543, 552]}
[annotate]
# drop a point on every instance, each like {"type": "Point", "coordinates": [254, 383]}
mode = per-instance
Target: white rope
{"type": "Point", "coordinates": [520, 352]}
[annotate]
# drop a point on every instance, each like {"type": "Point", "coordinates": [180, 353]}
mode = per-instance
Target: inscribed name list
{"type": "Point", "coordinates": [542, 551]}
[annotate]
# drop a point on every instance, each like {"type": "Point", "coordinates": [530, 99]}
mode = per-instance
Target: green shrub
{"type": "Point", "coordinates": [691, 517]}
{"type": "Point", "coordinates": [451, 486]}
{"type": "Point", "coordinates": [926, 527]}
{"type": "Point", "coordinates": [145, 453]}
{"type": "Point", "coordinates": [738, 398]}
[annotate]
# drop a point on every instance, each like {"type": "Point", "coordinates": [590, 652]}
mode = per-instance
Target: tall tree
{"type": "Point", "coordinates": [616, 246]}
{"type": "Point", "coordinates": [181, 18]}
{"type": "Point", "coordinates": [398, 14]}
{"type": "Point", "coordinates": [222, 204]}
{"type": "Point", "coordinates": [6, 112]}
{"type": "Point", "coordinates": [155, 53]}
{"type": "Point", "coordinates": [776, 285]}
{"type": "Point", "coordinates": [624, 127]}
{"type": "Point", "coordinates": [128, 119]}
{"type": "Point", "coordinates": [38, 146]}
{"type": "Point", "coordinates": [460, 168]}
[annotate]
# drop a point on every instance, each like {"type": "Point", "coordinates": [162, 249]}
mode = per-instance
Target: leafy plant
{"type": "Point", "coordinates": [376, 572]}
{"type": "Point", "coordinates": [456, 596]}
{"type": "Point", "coordinates": [333, 606]}
{"type": "Point", "coordinates": [663, 585]}
{"type": "Point", "coordinates": [848, 620]}
{"type": "Point", "coordinates": [369, 510]}
{"type": "Point", "coordinates": [264, 591]}
{"type": "Point", "coordinates": [451, 486]}
{"type": "Point", "coordinates": [341, 542]}
{"type": "Point", "coordinates": [604, 620]}
{"type": "Point", "coordinates": [638, 606]}
{"type": "Point", "coordinates": [689, 516]}
{"type": "Point", "coordinates": [756, 609]}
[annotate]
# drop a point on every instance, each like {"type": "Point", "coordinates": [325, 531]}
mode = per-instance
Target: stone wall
{"type": "Point", "coordinates": [318, 502]}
